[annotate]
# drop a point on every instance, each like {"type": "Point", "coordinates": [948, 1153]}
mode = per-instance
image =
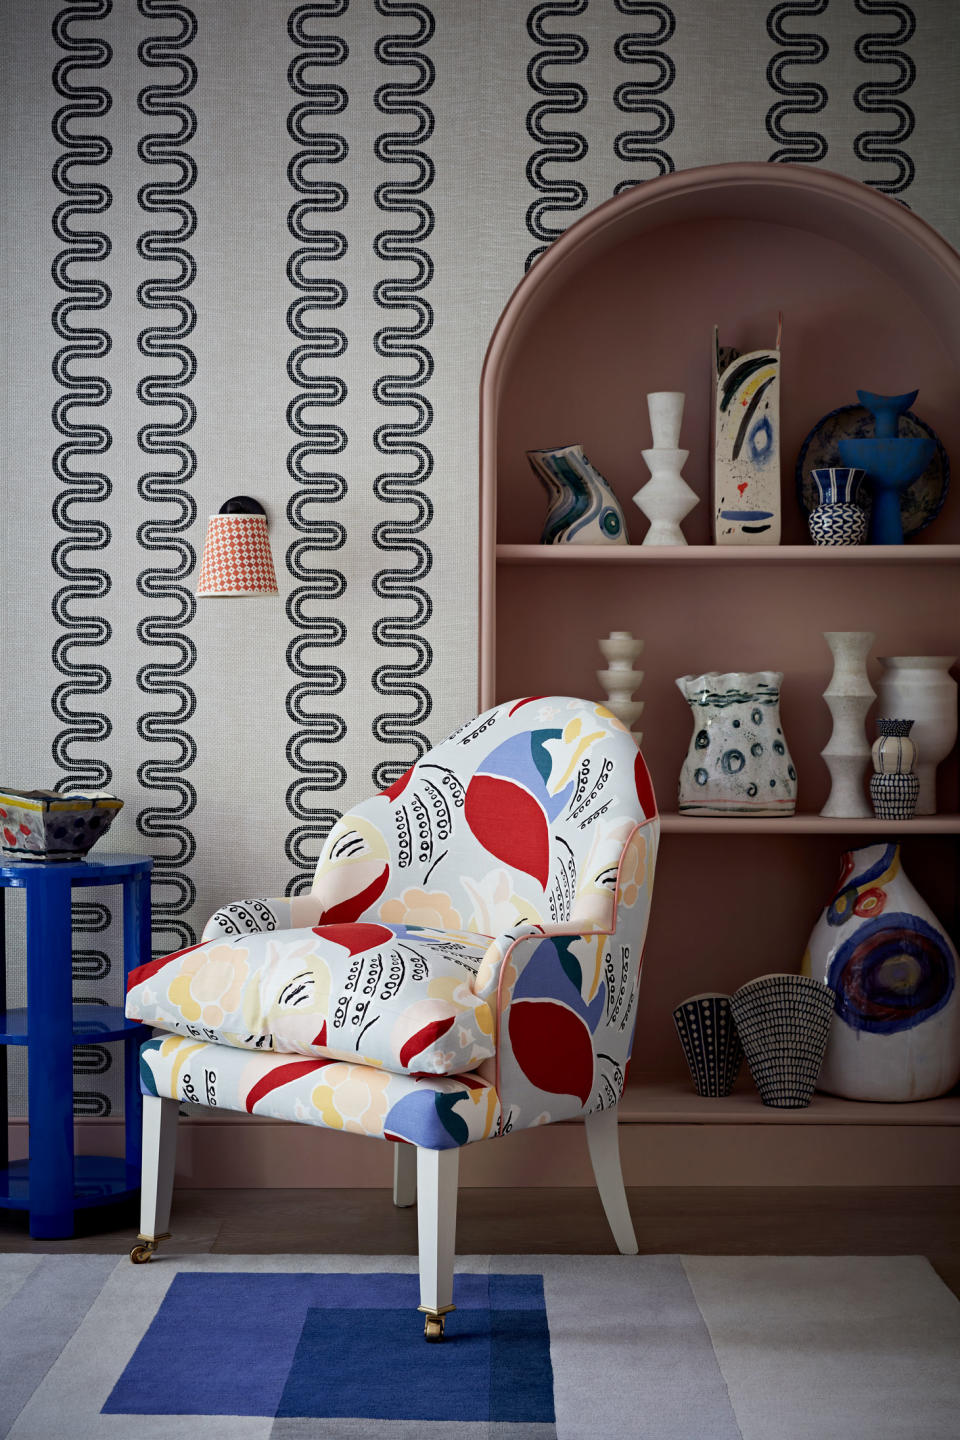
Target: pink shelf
{"type": "Point", "coordinates": [917, 554]}
{"type": "Point", "coordinates": [648, 1100]}
{"type": "Point", "coordinates": [671, 824]}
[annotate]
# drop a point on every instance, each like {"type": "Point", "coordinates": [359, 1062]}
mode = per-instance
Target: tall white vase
{"type": "Point", "coordinates": [666, 498]}
{"type": "Point", "coordinates": [920, 688]}
{"type": "Point", "coordinates": [620, 679]}
{"type": "Point", "coordinates": [849, 696]}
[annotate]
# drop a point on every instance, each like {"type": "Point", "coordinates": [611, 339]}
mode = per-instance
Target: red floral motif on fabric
{"type": "Point", "coordinates": [553, 1047]}
{"type": "Point", "coordinates": [354, 906]}
{"type": "Point", "coordinates": [143, 972]}
{"type": "Point", "coordinates": [356, 937]}
{"type": "Point", "coordinates": [423, 1038]}
{"type": "Point", "coordinates": [283, 1075]}
{"type": "Point", "coordinates": [510, 824]}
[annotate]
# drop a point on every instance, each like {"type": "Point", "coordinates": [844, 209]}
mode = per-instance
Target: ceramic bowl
{"type": "Point", "coordinates": [45, 825]}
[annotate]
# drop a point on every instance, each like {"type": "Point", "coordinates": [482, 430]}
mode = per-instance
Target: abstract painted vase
{"type": "Point", "coordinates": [879, 946]}
{"type": "Point", "coordinates": [783, 1022]}
{"type": "Point", "coordinates": [849, 696]}
{"type": "Point", "coordinates": [620, 679]}
{"type": "Point", "coordinates": [711, 1045]}
{"type": "Point", "coordinates": [837, 518]}
{"type": "Point", "coordinates": [922, 687]}
{"type": "Point", "coordinates": [746, 445]}
{"type": "Point", "coordinates": [892, 462]}
{"type": "Point", "coordinates": [738, 762]}
{"type": "Point", "coordinates": [582, 509]}
{"type": "Point", "coordinates": [666, 498]}
{"type": "Point", "coordinates": [894, 786]}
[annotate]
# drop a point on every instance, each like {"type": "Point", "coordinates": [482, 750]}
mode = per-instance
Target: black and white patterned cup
{"type": "Point", "coordinates": [710, 1043]}
{"type": "Point", "coordinates": [783, 1022]}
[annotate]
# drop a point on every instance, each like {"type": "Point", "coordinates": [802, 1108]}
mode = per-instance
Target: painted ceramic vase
{"type": "Point", "coordinates": [783, 1022]}
{"type": "Point", "coordinates": [894, 786]}
{"type": "Point", "coordinates": [582, 509]}
{"type": "Point", "coordinates": [922, 687]}
{"type": "Point", "coordinates": [746, 444]}
{"type": "Point", "coordinates": [838, 518]}
{"type": "Point", "coordinates": [738, 762]}
{"type": "Point", "coordinates": [710, 1042]}
{"type": "Point", "coordinates": [881, 949]}
{"type": "Point", "coordinates": [48, 825]}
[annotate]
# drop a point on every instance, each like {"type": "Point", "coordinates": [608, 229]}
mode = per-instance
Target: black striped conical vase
{"type": "Point", "coordinates": [783, 1022]}
{"type": "Point", "coordinates": [710, 1043]}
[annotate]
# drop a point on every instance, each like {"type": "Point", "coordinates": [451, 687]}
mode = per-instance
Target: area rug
{"type": "Point", "coordinates": [656, 1347]}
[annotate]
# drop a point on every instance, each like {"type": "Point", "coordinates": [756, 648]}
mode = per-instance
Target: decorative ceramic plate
{"type": "Point", "coordinates": [920, 503]}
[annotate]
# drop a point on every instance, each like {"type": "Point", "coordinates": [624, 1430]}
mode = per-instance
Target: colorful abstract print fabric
{"type": "Point", "coordinates": [425, 946]}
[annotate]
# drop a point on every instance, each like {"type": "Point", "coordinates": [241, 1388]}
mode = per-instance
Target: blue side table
{"type": "Point", "coordinates": [54, 1183]}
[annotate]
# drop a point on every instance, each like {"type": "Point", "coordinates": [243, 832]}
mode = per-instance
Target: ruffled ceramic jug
{"type": "Point", "coordinates": [738, 762]}
{"type": "Point", "coordinates": [878, 945]}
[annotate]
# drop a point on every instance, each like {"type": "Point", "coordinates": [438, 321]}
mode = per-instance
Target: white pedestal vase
{"type": "Point", "coordinates": [620, 679]}
{"type": "Point", "coordinates": [666, 498]}
{"type": "Point", "coordinates": [921, 687]}
{"type": "Point", "coordinates": [881, 949]}
{"type": "Point", "coordinates": [849, 696]}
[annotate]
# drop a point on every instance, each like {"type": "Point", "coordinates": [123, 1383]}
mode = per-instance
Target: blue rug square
{"type": "Point", "coordinates": [341, 1346]}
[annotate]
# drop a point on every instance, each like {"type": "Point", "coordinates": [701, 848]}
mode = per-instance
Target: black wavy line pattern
{"type": "Point", "coordinates": [881, 147]}
{"type": "Point", "coordinates": [84, 245]}
{"type": "Point", "coordinates": [803, 97]}
{"type": "Point", "coordinates": [401, 247]}
{"type": "Point", "coordinates": [163, 728]}
{"type": "Point", "coordinates": [565, 147]}
{"type": "Point", "coordinates": [90, 917]}
{"type": "Point", "coordinates": [639, 97]}
{"type": "Point", "coordinates": [318, 343]}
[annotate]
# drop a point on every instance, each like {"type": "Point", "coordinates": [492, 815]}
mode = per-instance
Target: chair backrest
{"type": "Point", "coordinates": [521, 814]}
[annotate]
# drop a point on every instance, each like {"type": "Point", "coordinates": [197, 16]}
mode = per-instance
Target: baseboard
{"type": "Point", "coordinates": [237, 1151]}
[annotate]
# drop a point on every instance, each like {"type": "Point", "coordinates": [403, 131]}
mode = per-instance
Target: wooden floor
{"type": "Point", "coordinates": [727, 1221]}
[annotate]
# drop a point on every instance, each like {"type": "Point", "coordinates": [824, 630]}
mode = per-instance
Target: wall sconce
{"type": "Point", "coordinates": [236, 558]}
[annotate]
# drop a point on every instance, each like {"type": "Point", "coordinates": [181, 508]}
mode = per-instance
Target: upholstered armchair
{"type": "Point", "coordinates": [465, 965]}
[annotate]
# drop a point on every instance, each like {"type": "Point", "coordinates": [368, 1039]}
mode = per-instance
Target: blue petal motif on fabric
{"type": "Point", "coordinates": [148, 1085]}
{"type": "Point", "coordinates": [428, 1118]}
{"type": "Point", "coordinates": [525, 759]}
{"type": "Point", "coordinates": [547, 976]}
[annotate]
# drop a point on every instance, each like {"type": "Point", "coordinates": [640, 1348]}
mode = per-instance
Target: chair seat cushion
{"type": "Point", "coordinates": [435, 1112]}
{"type": "Point", "coordinates": [396, 997]}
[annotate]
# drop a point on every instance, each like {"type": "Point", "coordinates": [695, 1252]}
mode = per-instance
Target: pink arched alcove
{"type": "Point", "coordinates": [625, 303]}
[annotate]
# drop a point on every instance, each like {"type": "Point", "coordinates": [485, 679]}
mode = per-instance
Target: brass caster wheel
{"type": "Point", "coordinates": [142, 1252]}
{"type": "Point", "coordinates": [433, 1328]}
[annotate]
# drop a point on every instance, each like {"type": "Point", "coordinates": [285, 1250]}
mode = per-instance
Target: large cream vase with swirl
{"type": "Point", "coordinates": [878, 945]}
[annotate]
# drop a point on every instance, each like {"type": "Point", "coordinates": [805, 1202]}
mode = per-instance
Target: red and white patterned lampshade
{"type": "Point", "coordinates": [236, 557]}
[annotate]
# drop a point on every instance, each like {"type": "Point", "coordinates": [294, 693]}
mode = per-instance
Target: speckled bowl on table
{"type": "Point", "coordinates": [45, 825]}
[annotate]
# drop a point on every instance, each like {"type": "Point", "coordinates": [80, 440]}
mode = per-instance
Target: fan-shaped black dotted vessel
{"type": "Point", "coordinates": [783, 1022]}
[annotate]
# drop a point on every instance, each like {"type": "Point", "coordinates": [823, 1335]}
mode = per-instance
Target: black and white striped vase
{"type": "Point", "coordinates": [894, 787]}
{"type": "Point", "coordinates": [710, 1043]}
{"type": "Point", "coordinates": [783, 1022]}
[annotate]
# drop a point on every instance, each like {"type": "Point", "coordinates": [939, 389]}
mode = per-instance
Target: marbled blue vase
{"type": "Point", "coordinates": [582, 509]}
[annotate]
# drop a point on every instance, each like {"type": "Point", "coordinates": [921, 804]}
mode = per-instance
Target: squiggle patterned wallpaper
{"type": "Point", "coordinates": [258, 246]}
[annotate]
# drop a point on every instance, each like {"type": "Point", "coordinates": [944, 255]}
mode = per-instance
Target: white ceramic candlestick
{"type": "Point", "coordinates": [849, 696]}
{"type": "Point", "coordinates": [620, 679]}
{"type": "Point", "coordinates": [666, 498]}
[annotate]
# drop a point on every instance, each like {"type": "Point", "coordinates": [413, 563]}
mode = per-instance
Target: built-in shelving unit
{"type": "Point", "coordinates": [871, 299]}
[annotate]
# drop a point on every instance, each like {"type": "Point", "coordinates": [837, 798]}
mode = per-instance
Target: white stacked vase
{"type": "Point", "coordinates": [620, 679]}
{"type": "Point", "coordinates": [666, 498]}
{"type": "Point", "coordinates": [849, 696]}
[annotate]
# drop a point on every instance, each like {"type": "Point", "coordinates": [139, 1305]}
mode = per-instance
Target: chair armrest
{"type": "Point", "coordinates": [247, 917]}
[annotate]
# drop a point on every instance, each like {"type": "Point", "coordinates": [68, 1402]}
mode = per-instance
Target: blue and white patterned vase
{"type": "Point", "coordinates": [582, 509]}
{"type": "Point", "coordinates": [837, 519]}
{"type": "Point", "coordinates": [893, 968]}
{"type": "Point", "coordinates": [738, 762]}
{"type": "Point", "coordinates": [894, 787]}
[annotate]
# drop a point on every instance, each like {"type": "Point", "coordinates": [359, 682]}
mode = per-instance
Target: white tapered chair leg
{"type": "Point", "coordinates": [604, 1147]}
{"type": "Point", "coordinates": [437, 1175]}
{"type": "Point", "coordinates": [404, 1174]}
{"type": "Point", "coordinates": [156, 1185]}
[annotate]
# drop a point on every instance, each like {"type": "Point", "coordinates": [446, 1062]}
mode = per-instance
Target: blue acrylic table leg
{"type": "Point", "coordinates": [136, 951]}
{"type": "Point", "coordinates": [50, 1055]}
